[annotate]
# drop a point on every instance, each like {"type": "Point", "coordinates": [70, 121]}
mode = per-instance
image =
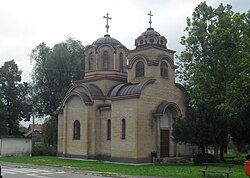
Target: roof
{"type": "Point", "coordinates": [130, 88]}
{"type": "Point", "coordinates": [38, 127]}
{"type": "Point", "coordinates": [106, 40]}
{"type": "Point", "coordinates": [87, 92]}
{"type": "Point", "coordinates": [151, 38]}
{"type": "Point", "coordinates": [150, 32]}
{"type": "Point", "coordinates": [94, 90]}
{"type": "Point", "coordinates": [29, 133]}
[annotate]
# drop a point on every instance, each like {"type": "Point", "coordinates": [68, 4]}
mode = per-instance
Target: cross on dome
{"type": "Point", "coordinates": [108, 18]}
{"type": "Point", "coordinates": [150, 21]}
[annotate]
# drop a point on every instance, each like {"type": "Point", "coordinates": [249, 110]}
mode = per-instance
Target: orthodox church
{"type": "Point", "coordinates": [124, 108]}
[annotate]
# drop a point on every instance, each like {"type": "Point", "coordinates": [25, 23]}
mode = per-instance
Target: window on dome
{"type": "Point", "coordinates": [121, 61]}
{"type": "Point", "coordinates": [91, 61]}
{"type": "Point", "coordinates": [139, 69]}
{"type": "Point", "coordinates": [105, 60]}
{"type": "Point", "coordinates": [164, 69]}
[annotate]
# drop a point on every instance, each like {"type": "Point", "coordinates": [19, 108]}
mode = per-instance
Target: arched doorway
{"type": "Point", "coordinates": [164, 115]}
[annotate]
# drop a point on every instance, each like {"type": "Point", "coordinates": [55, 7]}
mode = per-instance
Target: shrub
{"type": "Point", "coordinates": [248, 157]}
{"type": "Point", "coordinates": [44, 150]}
{"type": "Point", "coordinates": [203, 158]}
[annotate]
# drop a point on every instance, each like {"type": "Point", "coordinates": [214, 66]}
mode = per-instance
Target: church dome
{"type": "Point", "coordinates": [105, 58]}
{"type": "Point", "coordinates": [150, 38]}
{"type": "Point", "coordinates": [150, 32]}
{"type": "Point", "coordinates": [106, 40]}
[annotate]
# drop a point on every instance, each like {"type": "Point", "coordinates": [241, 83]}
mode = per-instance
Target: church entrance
{"type": "Point", "coordinates": [164, 143]}
{"type": "Point", "coordinates": [165, 122]}
{"type": "Point", "coordinates": [164, 115]}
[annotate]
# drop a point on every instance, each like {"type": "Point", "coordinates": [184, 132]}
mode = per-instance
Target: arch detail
{"type": "Point", "coordinates": [136, 58]}
{"type": "Point", "coordinates": [161, 108]}
{"type": "Point", "coordinates": [164, 57]}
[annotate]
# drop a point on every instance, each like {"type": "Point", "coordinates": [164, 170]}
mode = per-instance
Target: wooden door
{"type": "Point", "coordinates": [164, 144]}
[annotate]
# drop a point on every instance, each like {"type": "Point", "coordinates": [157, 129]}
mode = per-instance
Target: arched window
{"type": "Point", "coordinates": [91, 61]}
{"type": "Point", "coordinates": [123, 129]}
{"type": "Point", "coordinates": [105, 60]}
{"type": "Point", "coordinates": [76, 134]}
{"type": "Point", "coordinates": [139, 69]}
{"type": "Point", "coordinates": [109, 129]}
{"type": "Point", "coordinates": [121, 61]}
{"type": "Point", "coordinates": [164, 69]}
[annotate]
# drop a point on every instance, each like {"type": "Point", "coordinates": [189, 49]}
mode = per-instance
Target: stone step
{"type": "Point", "coordinates": [176, 160]}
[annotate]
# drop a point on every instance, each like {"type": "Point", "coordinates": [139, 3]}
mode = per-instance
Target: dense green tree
{"type": "Point", "coordinates": [239, 129]}
{"type": "Point", "coordinates": [54, 71]}
{"type": "Point", "coordinates": [3, 118]}
{"type": "Point", "coordinates": [198, 128]}
{"type": "Point", "coordinates": [238, 101]}
{"type": "Point", "coordinates": [215, 56]}
{"type": "Point", "coordinates": [14, 97]}
{"type": "Point", "coordinates": [50, 131]}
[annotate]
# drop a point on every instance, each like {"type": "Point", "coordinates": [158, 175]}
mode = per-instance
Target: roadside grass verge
{"type": "Point", "coordinates": [173, 171]}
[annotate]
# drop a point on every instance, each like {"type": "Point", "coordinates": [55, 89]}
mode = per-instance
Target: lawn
{"type": "Point", "coordinates": [173, 171]}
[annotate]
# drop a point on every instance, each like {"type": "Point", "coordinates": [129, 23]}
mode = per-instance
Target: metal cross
{"type": "Point", "coordinates": [108, 18]}
{"type": "Point", "coordinates": [150, 21]}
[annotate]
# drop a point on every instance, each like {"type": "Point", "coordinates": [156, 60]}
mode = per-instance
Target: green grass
{"type": "Point", "coordinates": [173, 171]}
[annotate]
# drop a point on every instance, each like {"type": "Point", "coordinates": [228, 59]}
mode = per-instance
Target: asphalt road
{"type": "Point", "coordinates": [15, 170]}
{"type": "Point", "coordinates": [25, 172]}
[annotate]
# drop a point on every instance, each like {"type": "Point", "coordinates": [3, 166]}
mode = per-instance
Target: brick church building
{"type": "Point", "coordinates": [125, 106]}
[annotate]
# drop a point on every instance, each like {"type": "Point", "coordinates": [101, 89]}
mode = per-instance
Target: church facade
{"type": "Point", "coordinates": [124, 108]}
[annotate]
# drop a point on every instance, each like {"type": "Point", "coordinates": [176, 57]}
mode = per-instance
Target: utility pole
{"type": "Point", "coordinates": [1, 172]}
{"type": "Point", "coordinates": [33, 134]}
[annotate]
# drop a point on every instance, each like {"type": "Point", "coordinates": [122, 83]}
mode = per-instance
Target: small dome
{"type": "Point", "coordinates": [106, 40]}
{"type": "Point", "coordinates": [150, 38]}
{"type": "Point", "coordinates": [150, 32]}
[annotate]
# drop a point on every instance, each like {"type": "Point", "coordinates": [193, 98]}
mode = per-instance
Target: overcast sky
{"type": "Point", "coordinates": [24, 24]}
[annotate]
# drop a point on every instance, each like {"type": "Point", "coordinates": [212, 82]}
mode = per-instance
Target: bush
{"type": "Point", "coordinates": [248, 157]}
{"type": "Point", "coordinates": [203, 158]}
{"type": "Point", "coordinates": [44, 150]}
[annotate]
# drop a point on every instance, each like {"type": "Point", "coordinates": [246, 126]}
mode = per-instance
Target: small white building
{"type": "Point", "coordinates": [15, 146]}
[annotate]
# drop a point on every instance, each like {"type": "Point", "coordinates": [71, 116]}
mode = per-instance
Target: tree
{"type": "Point", "coordinates": [50, 131]}
{"type": "Point", "coordinates": [238, 101]}
{"type": "Point", "coordinates": [238, 88]}
{"type": "Point", "coordinates": [3, 118]}
{"type": "Point", "coordinates": [217, 44]}
{"type": "Point", "coordinates": [239, 129]}
{"type": "Point", "coordinates": [201, 127]}
{"type": "Point", "coordinates": [14, 97]}
{"type": "Point", "coordinates": [54, 71]}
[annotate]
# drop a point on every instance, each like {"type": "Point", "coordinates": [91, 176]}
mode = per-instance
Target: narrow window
{"type": "Point", "coordinates": [139, 69]}
{"type": "Point", "coordinates": [121, 61]}
{"type": "Point", "coordinates": [91, 61]}
{"type": "Point", "coordinates": [109, 129]}
{"type": "Point", "coordinates": [105, 60]}
{"type": "Point", "coordinates": [164, 69]}
{"type": "Point", "coordinates": [123, 129]}
{"type": "Point", "coordinates": [76, 134]}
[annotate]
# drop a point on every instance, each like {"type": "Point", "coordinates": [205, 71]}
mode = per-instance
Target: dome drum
{"type": "Point", "coordinates": [106, 54]}
{"type": "Point", "coordinates": [150, 38]}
